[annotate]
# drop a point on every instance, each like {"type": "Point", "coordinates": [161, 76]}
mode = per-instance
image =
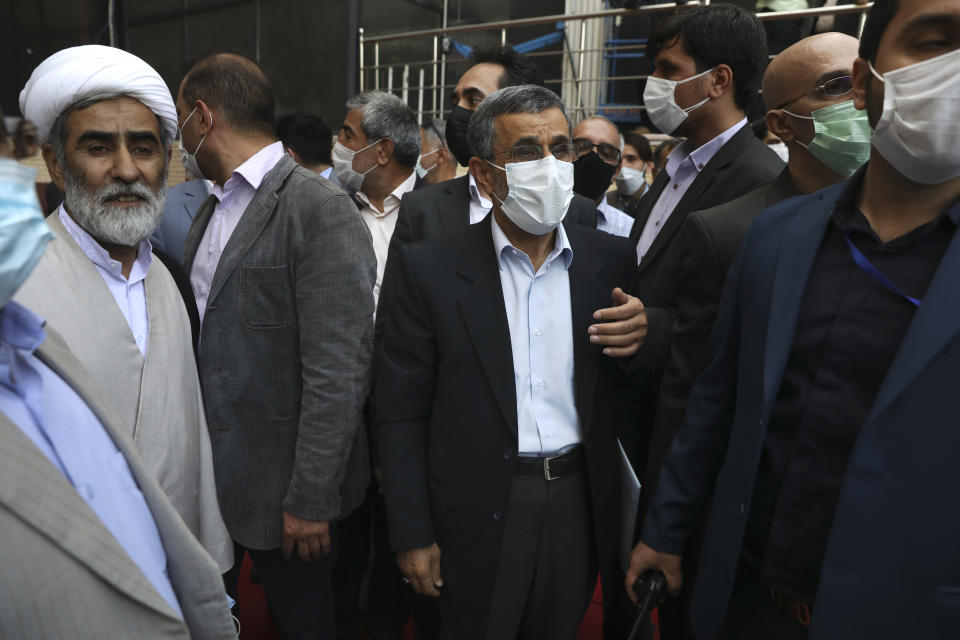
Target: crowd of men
{"type": "Point", "coordinates": [385, 383]}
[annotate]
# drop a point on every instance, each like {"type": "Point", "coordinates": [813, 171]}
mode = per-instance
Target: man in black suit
{"type": "Point", "coordinates": [709, 61]}
{"type": "Point", "coordinates": [810, 75]}
{"type": "Point", "coordinates": [496, 405]}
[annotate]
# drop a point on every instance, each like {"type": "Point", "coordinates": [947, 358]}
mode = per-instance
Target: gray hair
{"type": "Point", "coordinates": [59, 132]}
{"type": "Point", "coordinates": [620, 140]}
{"type": "Point", "coordinates": [526, 98]}
{"type": "Point", "coordinates": [435, 131]}
{"type": "Point", "coordinates": [384, 115]}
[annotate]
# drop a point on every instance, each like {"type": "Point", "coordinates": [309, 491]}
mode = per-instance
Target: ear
{"type": "Point", "coordinates": [861, 76]}
{"type": "Point", "coordinates": [53, 167]}
{"type": "Point", "coordinates": [205, 115]}
{"type": "Point", "coordinates": [481, 173]}
{"type": "Point", "coordinates": [385, 148]}
{"type": "Point", "coordinates": [296, 156]}
{"type": "Point", "coordinates": [776, 121]}
{"type": "Point", "coordinates": [722, 82]}
{"type": "Point", "coordinates": [617, 172]}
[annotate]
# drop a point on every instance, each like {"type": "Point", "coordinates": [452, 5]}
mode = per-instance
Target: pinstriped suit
{"type": "Point", "coordinates": [63, 574]}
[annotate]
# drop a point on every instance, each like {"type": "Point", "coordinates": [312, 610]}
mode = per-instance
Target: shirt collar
{"type": "Point", "coordinates": [21, 328]}
{"type": "Point", "coordinates": [253, 171]}
{"type": "Point", "coordinates": [604, 207]}
{"type": "Point", "coordinates": [700, 156]}
{"type": "Point", "coordinates": [561, 245]}
{"type": "Point", "coordinates": [101, 257]}
{"type": "Point", "coordinates": [475, 194]}
{"type": "Point", "coordinates": [392, 201]}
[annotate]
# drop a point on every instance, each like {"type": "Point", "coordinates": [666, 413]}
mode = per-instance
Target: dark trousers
{"type": "Point", "coordinates": [298, 593]}
{"type": "Point", "coordinates": [753, 615]}
{"type": "Point", "coordinates": [351, 554]}
{"type": "Point", "coordinates": [390, 602]}
{"type": "Point", "coordinates": [547, 567]}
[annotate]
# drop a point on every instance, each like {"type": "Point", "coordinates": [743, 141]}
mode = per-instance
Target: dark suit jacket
{"type": "Point", "coordinates": [285, 351]}
{"type": "Point", "coordinates": [892, 560]}
{"type": "Point", "coordinates": [739, 166]}
{"type": "Point", "coordinates": [448, 411]}
{"type": "Point", "coordinates": [179, 209]}
{"type": "Point", "coordinates": [709, 240]}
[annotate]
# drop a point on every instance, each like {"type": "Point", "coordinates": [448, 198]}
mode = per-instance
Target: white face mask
{"type": "Point", "coordinates": [421, 172]}
{"type": "Point", "coordinates": [919, 131]}
{"type": "Point", "coordinates": [343, 166]}
{"type": "Point", "coordinates": [539, 193]}
{"type": "Point", "coordinates": [189, 160]}
{"type": "Point", "coordinates": [661, 104]}
{"type": "Point", "coordinates": [630, 180]}
{"type": "Point", "coordinates": [781, 150]}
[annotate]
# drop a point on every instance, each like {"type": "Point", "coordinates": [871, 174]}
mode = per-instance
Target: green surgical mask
{"type": "Point", "coordinates": [842, 137]}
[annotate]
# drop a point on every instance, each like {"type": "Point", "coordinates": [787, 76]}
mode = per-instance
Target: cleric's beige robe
{"type": "Point", "coordinates": [158, 397]}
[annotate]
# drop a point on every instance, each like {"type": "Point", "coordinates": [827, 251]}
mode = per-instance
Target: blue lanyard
{"type": "Point", "coordinates": [874, 273]}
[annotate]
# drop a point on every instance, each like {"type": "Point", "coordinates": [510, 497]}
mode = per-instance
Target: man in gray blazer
{"type": "Point", "coordinates": [282, 267]}
{"type": "Point", "coordinates": [92, 548]}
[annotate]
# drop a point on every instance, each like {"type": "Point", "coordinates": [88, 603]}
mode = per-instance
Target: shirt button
{"type": "Point", "coordinates": [740, 509]}
{"type": "Point", "coordinates": [540, 384]}
{"type": "Point", "coordinates": [676, 186]}
{"type": "Point", "coordinates": [497, 515]}
{"type": "Point", "coordinates": [538, 332]}
{"type": "Point", "coordinates": [88, 490]}
{"type": "Point", "coordinates": [507, 455]}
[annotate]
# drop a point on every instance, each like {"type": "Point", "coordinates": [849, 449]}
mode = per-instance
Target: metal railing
{"type": "Point", "coordinates": [370, 74]}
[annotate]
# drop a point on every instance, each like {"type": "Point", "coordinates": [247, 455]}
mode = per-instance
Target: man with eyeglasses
{"type": "Point", "coordinates": [812, 76]}
{"type": "Point", "coordinates": [599, 146]}
{"type": "Point", "coordinates": [497, 408]}
{"type": "Point", "coordinates": [819, 448]}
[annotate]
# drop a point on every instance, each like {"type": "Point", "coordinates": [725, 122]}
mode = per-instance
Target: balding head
{"type": "Point", "coordinates": [807, 64]}
{"type": "Point", "coordinates": [234, 86]}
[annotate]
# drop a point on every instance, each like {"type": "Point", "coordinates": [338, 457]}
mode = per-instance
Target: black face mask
{"type": "Point", "coordinates": [591, 175]}
{"type": "Point", "coordinates": [456, 134]}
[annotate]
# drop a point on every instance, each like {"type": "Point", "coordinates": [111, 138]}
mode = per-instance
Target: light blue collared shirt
{"type": "Point", "coordinates": [541, 337]}
{"type": "Point", "coordinates": [129, 292]}
{"type": "Point", "coordinates": [613, 220]}
{"type": "Point", "coordinates": [683, 166]}
{"type": "Point", "coordinates": [63, 427]}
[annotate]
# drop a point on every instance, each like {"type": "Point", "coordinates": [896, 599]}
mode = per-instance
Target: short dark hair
{"type": "Point", "coordinates": [639, 142]}
{"type": "Point", "coordinates": [481, 133]}
{"type": "Point", "coordinates": [718, 34]}
{"type": "Point", "coordinates": [879, 17]}
{"type": "Point", "coordinates": [237, 87]}
{"type": "Point", "coordinates": [519, 69]}
{"type": "Point", "coordinates": [307, 135]}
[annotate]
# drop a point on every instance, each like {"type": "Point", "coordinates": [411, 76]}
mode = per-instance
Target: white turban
{"type": "Point", "coordinates": [78, 73]}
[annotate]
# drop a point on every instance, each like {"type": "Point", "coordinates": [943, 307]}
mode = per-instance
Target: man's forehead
{"type": "Point", "coordinates": [597, 131]}
{"type": "Point", "coordinates": [484, 76]}
{"type": "Point", "coordinates": [548, 124]}
{"type": "Point", "coordinates": [116, 114]}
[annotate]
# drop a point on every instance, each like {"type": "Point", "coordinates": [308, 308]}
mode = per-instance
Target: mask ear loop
{"type": "Point", "coordinates": [805, 146]}
{"type": "Point", "coordinates": [684, 81]}
{"type": "Point", "coordinates": [874, 72]}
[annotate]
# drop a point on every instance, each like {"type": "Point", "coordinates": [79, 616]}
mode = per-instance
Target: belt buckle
{"type": "Point", "coordinates": [547, 475]}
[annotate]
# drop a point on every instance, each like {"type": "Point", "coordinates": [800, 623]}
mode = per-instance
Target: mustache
{"type": "Point", "coordinates": [116, 191]}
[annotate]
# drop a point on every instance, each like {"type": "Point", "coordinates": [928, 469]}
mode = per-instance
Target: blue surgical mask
{"type": "Point", "coordinates": [23, 233]}
{"type": "Point", "coordinates": [421, 172]}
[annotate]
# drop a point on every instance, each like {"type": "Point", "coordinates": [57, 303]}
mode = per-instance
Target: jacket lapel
{"type": "Point", "coordinates": [33, 488]}
{"type": "Point", "coordinates": [197, 228]}
{"type": "Point", "coordinates": [251, 224]}
{"type": "Point", "coordinates": [587, 294]}
{"type": "Point", "coordinates": [455, 207]}
{"type": "Point", "coordinates": [645, 206]}
{"type": "Point", "coordinates": [937, 320]}
{"type": "Point", "coordinates": [797, 252]}
{"type": "Point", "coordinates": [485, 316]}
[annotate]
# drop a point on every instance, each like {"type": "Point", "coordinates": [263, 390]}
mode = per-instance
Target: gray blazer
{"type": "Point", "coordinates": [63, 574]}
{"type": "Point", "coordinates": [285, 351]}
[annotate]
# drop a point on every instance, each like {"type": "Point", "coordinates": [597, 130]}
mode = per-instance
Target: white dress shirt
{"type": "Point", "coordinates": [683, 167]}
{"type": "Point", "coordinates": [129, 292]}
{"type": "Point", "coordinates": [613, 220]}
{"type": "Point", "coordinates": [382, 224]}
{"type": "Point", "coordinates": [479, 206]}
{"type": "Point", "coordinates": [541, 338]}
{"type": "Point", "coordinates": [233, 198]}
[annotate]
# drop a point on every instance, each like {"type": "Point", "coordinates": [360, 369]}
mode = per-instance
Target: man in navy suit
{"type": "Point", "coordinates": [823, 434]}
{"type": "Point", "coordinates": [182, 203]}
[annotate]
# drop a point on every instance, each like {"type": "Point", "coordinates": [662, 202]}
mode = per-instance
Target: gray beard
{"type": "Point", "coordinates": [124, 226]}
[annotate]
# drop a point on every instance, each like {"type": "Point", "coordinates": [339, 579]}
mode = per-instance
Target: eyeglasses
{"type": "Point", "coordinates": [607, 152]}
{"type": "Point", "coordinates": [566, 152]}
{"type": "Point", "coordinates": [834, 88]}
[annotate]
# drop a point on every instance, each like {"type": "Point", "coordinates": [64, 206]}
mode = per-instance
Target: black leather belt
{"type": "Point", "coordinates": [551, 467]}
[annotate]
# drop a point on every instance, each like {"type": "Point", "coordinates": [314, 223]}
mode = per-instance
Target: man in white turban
{"type": "Point", "coordinates": [107, 121]}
